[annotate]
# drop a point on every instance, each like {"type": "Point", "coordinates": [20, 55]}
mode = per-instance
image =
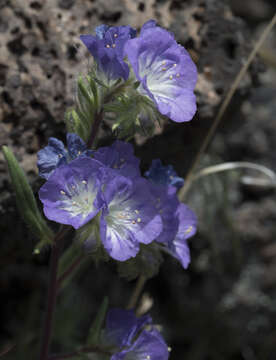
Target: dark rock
{"type": "Point", "coordinates": [3, 74]}
{"type": "Point", "coordinates": [16, 46]}
{"type": "Point", "coordinates": [66, 4]}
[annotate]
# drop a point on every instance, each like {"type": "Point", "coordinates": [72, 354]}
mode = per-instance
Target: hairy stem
{"type": "Point", "coordinates": [69, 270]}
{"type": "Point", "coordinates": [137, 292]}
{"type": "Point", "coordinates": [52, 293]}
{"type": "Point", "coordinates": [95, 129]}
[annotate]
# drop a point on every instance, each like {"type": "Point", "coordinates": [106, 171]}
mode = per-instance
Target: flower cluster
{"type": "Point", "coordinates": [163, 69]}
{"type": "Point", "coordinates": [128, 336]}
{"type": "Point", "coordinates": [116, 211]}
{"type": "Point", "coordinates": [132, 209]}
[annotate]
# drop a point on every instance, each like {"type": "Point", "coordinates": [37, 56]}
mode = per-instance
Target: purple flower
{"type": "Point", "coordinates": [122, 326]}
{"type": "Point", "coordinates": [179, 223]}
{"type": "Point", "coordinates": [165, 70]}
{"type": "Point", "coordinates": [132, 342]}
{"type": "Point", "coordinates": [107, 49]}
{"type": "Point", "coordinates": [178, 247]}
{"type": "Point", "coordinates": [119, 156]}
{"type": "Point", "coordinates": [130, 217]}
{"type": "Point", "coordinates": [150, 345]}
{"type": "Point", "coordinates": [55, 154]}
{"type": "Point", "coordinates": [72, 195]}
{"type": "Point", "coordinates": [166, 203]}
{"type": "Point", "coordinates": [164, 175]}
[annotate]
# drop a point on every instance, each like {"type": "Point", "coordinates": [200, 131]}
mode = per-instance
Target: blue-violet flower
{"type": "Point", "coordinates": [55, 154]}
{"type": "Point", "coordinates": [178, 247]}
{"type": "Point", "coordinates": [164, 175]}
{"type": "Point", "coordinates": [130, 217]}
{"type": "Point", "coordinates": [132, 342]}
{"type": "Point", "coordinates": [119, 156]}
{"type": "Point", "coordinates": [165, 70]}
{"type": "Point", "coordinates": [179, 221]}
{"type": "Point", "coordinates": [166, 203]}
{"type": "Point", "coordinates": [72, 195]}
{"type": "Point", "coordinates": [107, 49]}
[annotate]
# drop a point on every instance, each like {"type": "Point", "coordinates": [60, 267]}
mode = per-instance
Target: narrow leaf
{"type": "Point", "coordinates": [25, 199]}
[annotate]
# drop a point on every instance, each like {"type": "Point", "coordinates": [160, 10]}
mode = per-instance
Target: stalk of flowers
{"type": "Point", "coordinates": [101, 193]}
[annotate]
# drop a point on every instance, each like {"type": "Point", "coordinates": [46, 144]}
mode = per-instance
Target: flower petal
{"type": "Point", "coordinates": [165, 70]}
{"type": "Point", "coordinates": [50, 157]}
{"type": "Point", "coordinates": [119, 156]}
{"type": "Point", "coordinates": [187, 228]}
{"type": "Point", "coordinates": [122, 326]}
{"type": "Point", "coordinates": [72, 195]}
{"type": "Point", "coordinates": [149, 345]}
{"type": "Point", "coordinates": [164, 175]}
{"type": "Point", "coordinates": [76, 146]}
{"type": "Point", "coordinates": [130, 217]}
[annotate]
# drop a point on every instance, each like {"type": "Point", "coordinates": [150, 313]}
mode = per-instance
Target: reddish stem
{"type": "Point", "coordinates": [94, 349]}
{"type": "Point", "coordinates": [95, 128]}
{"type": "Point", "coordinates": [68, 271]}
{"type": "Point", "coordinates": [52, 293]}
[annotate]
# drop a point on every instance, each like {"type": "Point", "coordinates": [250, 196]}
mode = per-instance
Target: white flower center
{"type": "Point", "coordinates": [78, 198]}
{"type": "Point", "coordinates": [160, 74]}
{"type": "Point", "coordinates": [122, 218]}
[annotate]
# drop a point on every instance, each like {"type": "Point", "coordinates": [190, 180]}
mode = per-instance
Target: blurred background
{"type": "Point", "coordinates": [224, 306]}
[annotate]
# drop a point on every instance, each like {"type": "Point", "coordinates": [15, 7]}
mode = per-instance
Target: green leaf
{"type": "Point", "coordinates": [95, 330]}
{"type": "Point", "coordinates": [25, 199]}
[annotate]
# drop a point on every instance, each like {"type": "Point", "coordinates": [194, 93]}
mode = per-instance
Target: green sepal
{"type": "Point", "coordinates": [75, 125]}
{"type": "Point", "coordinates": [94, 335]}
{"type": "Point", "coordinates": [80, 119]}
{"type": "Point", "coordinates": [89, 237]}
{"type": "Point", "coordinates": [134, 113]}
{"type": "Point", "coordinates": [85, 100]}
{"type": "Point", "coordinates": [25, 199]}
{"type": "Point", "coordinates": [146, 263]}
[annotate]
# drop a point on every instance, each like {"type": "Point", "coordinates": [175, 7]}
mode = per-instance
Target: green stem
{"type": "Point", "coordinates": [99, 115]}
